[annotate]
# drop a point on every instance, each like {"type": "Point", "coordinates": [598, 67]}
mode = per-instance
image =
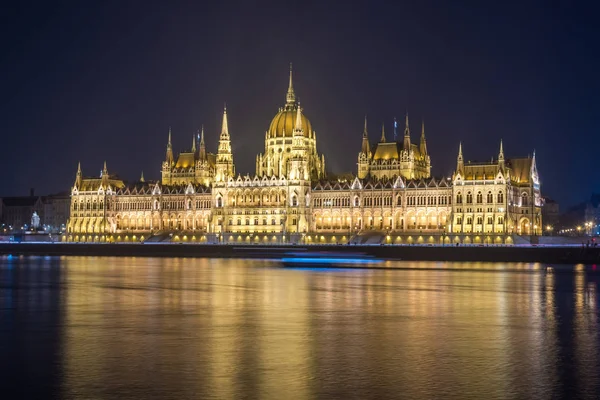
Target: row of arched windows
{"type": "Point", "coordinates": [479, 198]}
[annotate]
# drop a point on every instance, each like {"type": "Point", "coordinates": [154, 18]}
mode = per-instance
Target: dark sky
{"type": "Point", "coordinates": [95, 81]}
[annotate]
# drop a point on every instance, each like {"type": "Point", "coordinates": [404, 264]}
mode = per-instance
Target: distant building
{"type": "Point", "coordinates": [550, 214]}
{"type": "Point", "coordinates": [56, 212]}
{"type": "Point", "coordinates": [17, 211]}
{"type": "Point", "coordinates": [53, 212]}
{"type": "Point", "coordinates": [200, 197]}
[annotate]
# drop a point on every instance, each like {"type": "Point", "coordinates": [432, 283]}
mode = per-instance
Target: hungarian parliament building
{"type": "Point", "coordinates": [392, 198]}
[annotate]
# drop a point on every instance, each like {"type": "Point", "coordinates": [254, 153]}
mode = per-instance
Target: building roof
{"type": "Point", "coordinates": [391, 151]}
{"type": "Point", "coordinates": [520, 169]}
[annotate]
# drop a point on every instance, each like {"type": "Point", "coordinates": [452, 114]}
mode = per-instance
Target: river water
{"type": "Point", "coordinates": [178, 328]}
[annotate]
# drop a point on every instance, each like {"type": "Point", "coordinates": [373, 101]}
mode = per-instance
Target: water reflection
{"type": "Point", "coordinates": [89, 327]}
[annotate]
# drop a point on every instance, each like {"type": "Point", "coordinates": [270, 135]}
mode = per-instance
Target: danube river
{"type": "Point", "coordinates": [141, 328]}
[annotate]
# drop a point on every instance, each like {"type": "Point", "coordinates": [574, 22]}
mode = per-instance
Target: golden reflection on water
{"type": "Point", "coordinates": [148, 327]}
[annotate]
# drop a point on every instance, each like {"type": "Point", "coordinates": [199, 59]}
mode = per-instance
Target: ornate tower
{"type": "Point", "coordinates": [501, 157]}
{"type": "Point", "coordinates": [169, 162]}
{"type": "Point", "coordinates": [224, 167]}
{"type": "Point", "coordinates": [406, 143]}
{"type": "Point", "coordinates": [299, 159]}
{"type": "Point", "coordinates": [78, 176]}
{"type": "Point", "coordinates": [460, 165]}
{"type": "Point", "coordinates": [204, 173]}
{"type": "Point", "coordinates": [169, 156]}
{"type": "Point", "coordinates": [423, 143]}
{"type": "Point", "coordinates": [365, 154]}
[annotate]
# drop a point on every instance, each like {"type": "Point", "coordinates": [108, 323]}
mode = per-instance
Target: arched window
{"type": "Point", "coordinates": [469, 220]}
{"type": "Point", "coordinates": [459, 198]}
{"type": "Point", "coordinates": [469, 198]}
{"type": "Point", "coordinates": [294, 201]}
{"type": "Point", "coordinates": [479, 198]}
{"type": "Point", "coordinates": [399, 200]}
{"type": "Point", "coordinates": [524, 199]}
{"type": "Point", "coordinates": [219, 202]}
{"type": "Point", "coordinates": [500, 197]}
{"type": "Point", "coordinates": [356, 201]}
{"type": "Point", "coordinates": [189, 204]}
{"type": "Point", "coordinates": [479, 220]}
{"type": "Point", "coordinates": [490, 197]}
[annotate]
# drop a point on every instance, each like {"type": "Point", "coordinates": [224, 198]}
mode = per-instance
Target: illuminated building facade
{"type": "Point", "coordinates": [392, 198]}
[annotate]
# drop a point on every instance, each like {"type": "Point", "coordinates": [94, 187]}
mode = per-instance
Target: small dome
{"type": "Point", "coordinates": [286, 119]}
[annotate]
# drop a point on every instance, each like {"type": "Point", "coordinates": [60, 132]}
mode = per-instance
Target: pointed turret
{"type": "Point", "coordinates": [298, 128]}
{"type": "Point", "coordinates": [501, 153]}
{"type": "Point", "coordinates": [202, 153]}
{"type": "Point", "coordinates": [224, 167]}
{"type": "Point", "coordinates": [193, 143]}
{"type": "Point", "coordinates": [104, 170]}
{"type": "Point", "coordinates": [423, 144]}
{"type": "Point", "coordinates": [78, 176]}
{"type": "Point", "coordinates": [365, 148]}
{"type": "Point", "coordinates": [290, 98]}
{"type": "Point", "coordinates": [169, 156]}
{"type": "Point", "coordinates": [459, 160]}
{"type": "Point", "coordinates": [382, 133]}
{"type": "Point", "coordinates": [224, 127]}
{"type": "Point", "coordinates": [406, 143]}
{"type": "Point", "coordinates": [142, 177]}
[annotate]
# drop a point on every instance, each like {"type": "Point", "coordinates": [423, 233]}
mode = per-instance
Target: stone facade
{"type": "Point", "coordinates": [289, 198]}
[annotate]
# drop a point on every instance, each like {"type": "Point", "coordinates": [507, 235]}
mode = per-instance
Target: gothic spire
{"type": "Point", "coordinates": [225, 128]}
{"type": "Point", "coordinates": [382, 133]}
{"type": "Point", "coordinates": [365, 140]}
{"type": "Point", "coordinates": [78, 175]}
{"type": "Point", "coordinates": [169, 155]}
{"type": "Point", "coordinates": [142, 177]}
{"type": "Point", "coordinates": [193, 143]}
{"type": "Point", "coordinates": [104, 170]}
{"type": "Point", "coordinates": [501, 153]}
{"type": "Point", "coordinates": [406, 142]}
{"type": "Point", "coordinates": [202, 153]}
{"type": "Point", "coordinates": [291, 96]}
{"type": "Point", "coordinates": [459, 160]}
{"type": "Point", "coordinates": [423, 144]}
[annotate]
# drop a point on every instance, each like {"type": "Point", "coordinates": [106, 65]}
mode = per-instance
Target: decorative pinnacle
{"type": "Point", "coordinates": [194, 143]}
{"type": "Point", "coordinates": [202, 135]}
{"type": "Point", "coordinates": [169, 142]}
{"type": "Point", "coordinates": [423, 129]}
{"type": "Point", "coordinates": [291, 96]}
{"type": "Point", "coordinates": [501, 154]}
{"type": "Point", "coordinates": [406, 127]}
{"type": "Point", "coordinates": [365, 128]}
{"type": "Point", "coordinates": [299, 119]}
{"type": "Point", "coordinates": [142, 177]}
{"type": "Point", "coordinates": [383, 133]}
{"type": "Point", "coordinates": [79, 168]}
{"type": "Point", "coordinates": [460, 155]}
{"type": "Point", "coordinates": [224, 127]}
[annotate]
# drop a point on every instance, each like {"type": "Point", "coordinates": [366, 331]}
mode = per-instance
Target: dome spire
{"type": "Point", "coordinates": [291, 96]}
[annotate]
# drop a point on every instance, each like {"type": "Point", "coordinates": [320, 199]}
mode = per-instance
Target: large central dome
{"type": "Point", "coordinates": [284, 122]}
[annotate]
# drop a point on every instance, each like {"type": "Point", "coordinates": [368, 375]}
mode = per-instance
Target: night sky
{"type": "Point", "coordinates": [94, 81]}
